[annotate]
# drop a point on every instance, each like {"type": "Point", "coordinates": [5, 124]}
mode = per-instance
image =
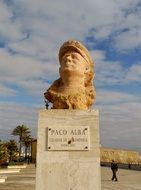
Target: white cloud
{"type": "Point", "coordinates": [5, 12]}
{"type": "Point", "coordinates": [129, 39]}
{"type": "Point", "coordinates": [110, 97]}
{"type": "Point", "coordinates": [12, 114]}
{"type": "Point", "coordinates": [134, 73]}
{"type": "Point", "coordinates": [107, 72]}
{"type": "Point", "coordinates": [119, 119]}
{"type": "Point", "coordinates": [19, 66]}
{"type": "Point", "coordinates": [114, 72]}
{"type": "Point", "coordinates": [58, 21]}
{"type": "Point", "coordinates": [98, 55]}
{"type": "Point", "coordinates": [34, 87]}
{"type": "Point", "coordinates": [6, 91]}
{"type": "Point", "coordinates": [24, 72]}
{"type": "Point", "coordinates": [120, 125]}
{"type": "Point", "coordinates": [36, 46]}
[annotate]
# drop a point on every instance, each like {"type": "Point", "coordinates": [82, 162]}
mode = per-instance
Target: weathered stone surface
{"type": "Point", "coordinates": [70, 169]}
{"type": "Point", "coordinates": [74, 89]}
{"type": "Point", "coordinates": [119, 156]}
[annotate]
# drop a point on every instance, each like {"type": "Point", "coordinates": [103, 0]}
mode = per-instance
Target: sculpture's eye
{"type": "Point", "coordinates": [74, 56]}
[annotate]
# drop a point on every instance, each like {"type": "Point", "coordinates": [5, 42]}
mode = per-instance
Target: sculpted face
{"type": "Point", "coordinates": [73, 65]}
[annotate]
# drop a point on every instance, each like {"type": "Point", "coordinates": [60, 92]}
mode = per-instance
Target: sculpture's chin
{"type": "Point", "coordinates": [69, 69]}
{"type": "Point", "coordinates": [71, 72]}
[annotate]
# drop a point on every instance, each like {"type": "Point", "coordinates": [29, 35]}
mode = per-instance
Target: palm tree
{"type": "Point", "coordinates": [3, 152]}
{"type": "Point", "coordinates": [21, 131]}
{"type": "Point", "coordinates": [27, 140]}
{"type": "Point", "coordinates": [12, 149]}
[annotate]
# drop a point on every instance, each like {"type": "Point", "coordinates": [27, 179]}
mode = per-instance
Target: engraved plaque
{"type": "Point", "coordinates": [68, 138]}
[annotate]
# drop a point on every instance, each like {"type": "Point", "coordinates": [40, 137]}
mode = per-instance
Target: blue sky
{"type": "Point", "coordinates": [31, 33]}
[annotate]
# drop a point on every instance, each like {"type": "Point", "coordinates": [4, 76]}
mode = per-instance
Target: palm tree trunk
{"type": "Point", "coordinates": [20, 148]}
{"type": "Point", "coordinates": [26, 152]}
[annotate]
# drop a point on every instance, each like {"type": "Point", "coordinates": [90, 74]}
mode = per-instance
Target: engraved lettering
{"type": "Point", "coordinates": [77, 132]}
{"type": "Point", "coordinates": [55, 139]}
{"type": "Point", "coordinates": [59, 132]}
{"type": "Point", "coordinates": [80, 140]}
{"type": "Point", "coordinates": [68, 138]}
{"type": "Point", "coordinates": [52, 132]}
{"type": "Point", "coordinates": [83, 132]}
{"type": "Point", "coordinates": [65, 139]}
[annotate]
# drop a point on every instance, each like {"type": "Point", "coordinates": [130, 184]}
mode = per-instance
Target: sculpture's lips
{"type": "Point", "coordinates": [68, 68]}
{"type": "Point", "coordinates": [68, 65]}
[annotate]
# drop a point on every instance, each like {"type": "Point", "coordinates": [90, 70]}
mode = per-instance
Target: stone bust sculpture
{"type": "Point", "coordinates": [74, 89]}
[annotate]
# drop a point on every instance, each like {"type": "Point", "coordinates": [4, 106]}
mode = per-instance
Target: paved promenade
{"type": "Point", "coordinates": [127, 179]}
{"type": "Point", "coordinates": [25, 180]}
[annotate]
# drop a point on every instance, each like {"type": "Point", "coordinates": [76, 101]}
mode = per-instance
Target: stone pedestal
{"type": "Point", "coordinates": [74, 167]}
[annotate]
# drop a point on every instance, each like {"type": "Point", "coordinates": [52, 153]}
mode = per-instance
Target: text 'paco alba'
{"type": "Point", "coordinates": [68, 132]}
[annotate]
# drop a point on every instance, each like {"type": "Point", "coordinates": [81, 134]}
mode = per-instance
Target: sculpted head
{"type": "Point", "coordinates": [75, 63]}
{"type": "Point", "coordinates": [73, 90]}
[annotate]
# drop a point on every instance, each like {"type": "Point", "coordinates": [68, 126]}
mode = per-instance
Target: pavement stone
{"type": "Point", "coordinates": [25, 180]}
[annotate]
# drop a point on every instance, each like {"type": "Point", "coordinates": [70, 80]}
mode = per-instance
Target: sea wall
{"type": "Point", "coordinates": [119, 156]}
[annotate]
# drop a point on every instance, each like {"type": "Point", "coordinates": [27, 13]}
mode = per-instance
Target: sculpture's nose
{"type": "Point", "coordinates": [68, 58]}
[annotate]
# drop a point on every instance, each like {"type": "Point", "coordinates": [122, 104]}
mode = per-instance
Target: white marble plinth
{"type": "Point", "coordinates": [68, 169]}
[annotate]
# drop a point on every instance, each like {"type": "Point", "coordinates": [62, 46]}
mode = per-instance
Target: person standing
{"type": "Point", "coordinates": [114, 168]}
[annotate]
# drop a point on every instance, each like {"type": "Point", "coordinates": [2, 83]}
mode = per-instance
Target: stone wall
{"type": "Point", "coordinates": [119, 156]}
{"type": "Point", "coordinates": [107, 155]}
